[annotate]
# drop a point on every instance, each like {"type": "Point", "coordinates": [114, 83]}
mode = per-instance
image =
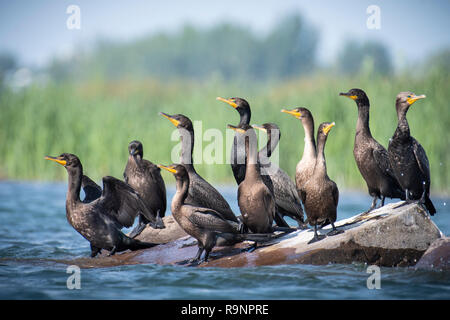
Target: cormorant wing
{"type": "Point", "coordinates": [156, 175]}
{"type": "Point", "coordinates": [421, 158]}
{"type": "Point", "coordinates": [285, 192]}
{"type": "Point", "coordinates": [209, 219]}
{"type": "Point", "coordinates": [269, 202]}
{"type": "Point", "coordinates": [335, 193]}
{"type": "Point", "coordinates": [122, 202]}
{"type": "Point", "coordinates": [91, 189]}
{"type": "Point", "coordinates": [382, 160]}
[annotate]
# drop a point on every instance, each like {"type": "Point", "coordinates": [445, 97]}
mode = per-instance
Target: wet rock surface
{"type": "Point", "coordinates": [437, 256]}
{"type": "Point", "coordinates": [394, 235]}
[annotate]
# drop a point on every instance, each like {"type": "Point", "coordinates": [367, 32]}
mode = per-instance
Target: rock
{"type": "Point", "coordinates": [171, 232]}
{"type": "Point", "coordinates": [437, 256]}
{"type": "Point", "coordinates": [394, 235]}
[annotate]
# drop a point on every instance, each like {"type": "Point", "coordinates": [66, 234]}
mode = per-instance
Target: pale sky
{"type": "Point", "coordinates": [36, 30]}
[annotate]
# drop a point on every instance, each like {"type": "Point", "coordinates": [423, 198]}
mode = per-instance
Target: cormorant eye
{"type": "Point", "coordinates": [409, 96]}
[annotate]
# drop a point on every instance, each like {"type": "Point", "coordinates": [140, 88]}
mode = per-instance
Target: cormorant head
{"type": "Point", "coordinates": [268, 128]}
{"type": "Point", "coordinates": [299, 113]}
{"type": "Point", "coordinates": [179, 121]}
{"type": "Point", "coordinates": [67, 160]}
{"type": "Point", "coordinates": [405, 100]}
{"type": "Point", "coordinates": [135, 148]}
{"type": "Point", "coordinates": [358, 95]}
{"type": "Point", "coordinates": [241, 105]}
{"type": "Point", "coordinates": [178, 170]}
{"type": "Point", "coordinates": [324, 129]}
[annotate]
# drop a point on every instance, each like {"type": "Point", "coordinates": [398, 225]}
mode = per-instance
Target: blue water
{"type": "Point", "coordinates": [34, 229]}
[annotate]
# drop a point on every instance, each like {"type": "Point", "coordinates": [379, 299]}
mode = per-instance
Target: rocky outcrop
{"type": "Point", "coordinates": [437, 256]}
{"type": "Point", "coordinates": [395, 235]}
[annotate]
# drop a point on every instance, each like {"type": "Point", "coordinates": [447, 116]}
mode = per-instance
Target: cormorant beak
{"type": "Point", "coordinates": [235, 128]}
{"type": "Point", "coordinates": [229, 101]}
{"type": "Point", "coordinates": [328, 128]}
{"type": "Point", "coordinates": [59, 160]}
{"type": "Point", "coordinates": [292, 113]}
{"type": "Point", "coordinates": [414, 98]}
{"type": "Point", "coordinates": [174, 122]}
{"type": "Point", "coordinates": [259, 128]}
{"type": "Point", "coordinates": [348, 95]}
{"type": "Point", "coordinates": [168, 168]}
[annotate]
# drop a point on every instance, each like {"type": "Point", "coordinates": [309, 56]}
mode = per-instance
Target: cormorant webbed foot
{"type": "Point", "coordinates": [317, 237]}
{"type": "Point", "coordinates": [335, 231]}
{"type": "Point", "coordinates": [95, 251]}
{"type": "Point", "coordinates": [251, 248]}
{"type": "Point", "coordinates": [159, 223]}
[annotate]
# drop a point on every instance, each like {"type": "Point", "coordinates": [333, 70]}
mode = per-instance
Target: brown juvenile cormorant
{"type": "Point", "coordinates": [201, 193]}
{"type": "Point", "coordinates": [305, 167]}
{"type": "Point", "coordinates": [287, 199]}
{"type": "Point", "coordinates": [255, 200]}
{"type": "Point", "coordinates": [145, 177]}
{"type": "Point", "coordinates": [321, 194]}
{"type": "Point", "coordinates": [206, 225]}
{"type": "Point", "coordinates": [370, 156]}
{"type": "Point", "coordinates": [100, 220]}
{"type": "Point", "coordinates": [238, 156]}
{"type": "Point", "coordinates": [407, 157]}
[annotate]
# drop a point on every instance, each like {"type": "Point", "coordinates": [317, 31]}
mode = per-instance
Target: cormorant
{"type": "Point", "coordinates": [100, 220]}
{"type": "Point", "coordinates": [201, 193]}
{"type": "Point", "coordinates": [321, 195]}
{"type": "Point", "coordinates": [145, 177]}
{"type": "Point", "coordinates": [255, 200]}
{"type": "Point", "coordinates": [305, 167]}
{"type": "Point", "coordinates": [370, 156]}
{"type": "Point", "coordinates": [287, 199]}
{"type": "Point", "coordinates": [208, 226]}
{"type": "Point", "coordinates": [238, 156]}
{"type": "Point", "coordinates": [91, 190]}
{"type": "Point", "coordinates": [407, 157]}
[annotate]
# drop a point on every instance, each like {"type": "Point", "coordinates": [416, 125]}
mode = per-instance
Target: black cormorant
{"type": "Point", "coordinates": [371, 157]}
{"type": "Point", "coordinates": [100, 220]}
{"type": "Point", "coordinates": [407, 157]}
{"type": "Point", "coordinates": [201, 193]}
{"type": "Point", "coordinates": [145, 177]}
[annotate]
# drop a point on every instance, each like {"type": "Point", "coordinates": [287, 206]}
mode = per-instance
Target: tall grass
{"type": "Point", "coordinates": [97, 120]}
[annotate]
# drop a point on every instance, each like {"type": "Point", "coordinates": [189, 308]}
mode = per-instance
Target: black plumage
{"type": "Point", "coordinates": [100, 220]}
{"type": "Point", "coordinates": [208, 226]}
{"type": "Point", "coordinates": [145, 177]}
{"type": "Point", "coordinates": [201, 193]}
{"type": "Point", "coordinates": [371, 157]}
{"type": "Point", "coordinates": [408, 158]}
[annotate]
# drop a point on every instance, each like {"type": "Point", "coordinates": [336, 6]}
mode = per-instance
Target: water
{"type": "Point", "coordinates": [34, 229]}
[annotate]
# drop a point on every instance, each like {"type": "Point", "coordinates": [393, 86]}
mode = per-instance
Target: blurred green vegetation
{"type": "Point", "coordinates": [96, 120]}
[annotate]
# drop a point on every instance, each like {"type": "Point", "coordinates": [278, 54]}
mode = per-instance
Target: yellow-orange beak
{"type": "Point", "coordinates": [174, 121]}
{"type": "Point", "coordinates": [57, 160]}
{"type": "Point", "coordinates": [414, 98]}
{"type": "Point", "coordinates": [229, 101]}
{"type": "Point", "coordinates": [259, 128]}
{"type": "Point", "coordinates": [292, 113]}
{"type": "Point", "coordinates": [235, 128]}
{"type": "Point", "coordinates": [328, 128]}
{"type": "Point", "coordinates": [168, 168]}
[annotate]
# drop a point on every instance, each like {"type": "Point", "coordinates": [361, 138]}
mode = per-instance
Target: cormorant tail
{"type": "Point", "coordinates": [429, 205]}
{"type": "Point", "coordinates": [134, 244]}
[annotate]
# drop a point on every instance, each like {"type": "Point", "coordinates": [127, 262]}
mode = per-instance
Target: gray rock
{"type": "Point", "coordinates": [437, 256]}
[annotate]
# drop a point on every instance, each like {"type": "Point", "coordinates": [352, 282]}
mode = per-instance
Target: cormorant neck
{"type": "Point", "coordinates": [251, 150]}
{"type": "Point", "coordinates": [245, 116]}
{"type": "Point", "coordinates": [187, 149]}
{"type": "Point", "coordinates": [321, 164]}
{"type": "Point", "coordinates": [362, 125]}
{"type": "Point", "coordinates": [74, 186]}
{"type": "Point", "coordinates": [272, 141]}
{"type": "Point", "coordinates": [180, 194]}
{"type": "Point", "coordinates": [402, 126]}
{"type": "Point", "coordinates": [309, 150]}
